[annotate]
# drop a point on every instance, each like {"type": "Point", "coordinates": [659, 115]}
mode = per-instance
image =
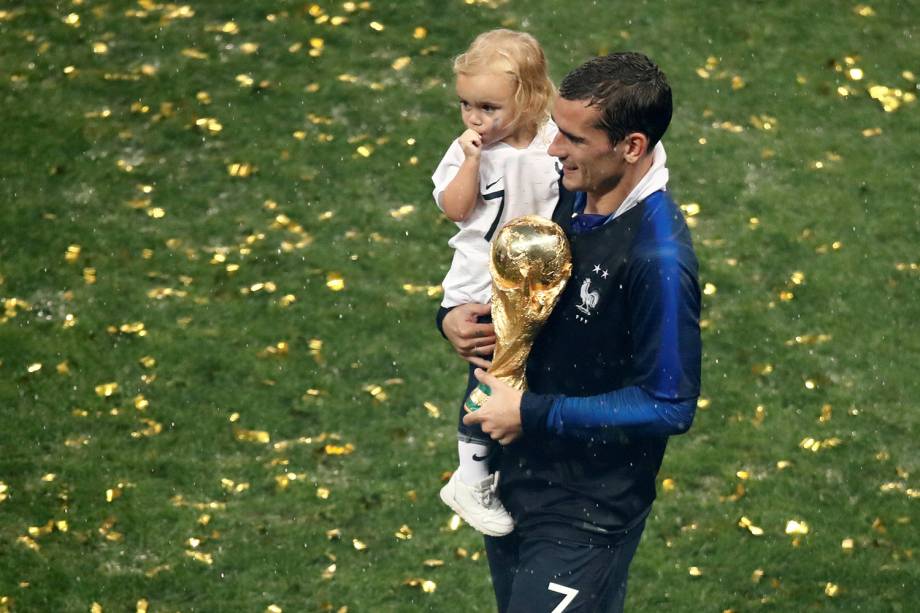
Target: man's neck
{"type": "Point", "coordinates": [608, 202]}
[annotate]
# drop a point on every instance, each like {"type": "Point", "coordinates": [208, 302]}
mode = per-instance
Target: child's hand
{"type": "Point", "coordinates": [471, 143]}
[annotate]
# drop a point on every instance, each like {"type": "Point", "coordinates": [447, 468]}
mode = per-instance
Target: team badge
{"type": "Point", "coordinates": [589, 297]}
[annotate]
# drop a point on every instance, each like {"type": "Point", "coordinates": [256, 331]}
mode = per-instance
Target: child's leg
{"type": "Point", "coordinates": [476, 500]}
{"type": "Point", "coordinates": [473, 445]}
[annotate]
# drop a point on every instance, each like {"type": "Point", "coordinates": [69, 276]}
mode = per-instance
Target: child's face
{"type": "Point", "coordinates": [487, 104]}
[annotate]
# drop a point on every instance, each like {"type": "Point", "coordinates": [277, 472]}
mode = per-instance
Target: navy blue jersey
{"type": "Point", "coordinates": [613, 373]}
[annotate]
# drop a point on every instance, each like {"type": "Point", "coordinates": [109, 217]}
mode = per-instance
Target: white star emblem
{"type": "Point", "coordinates": [597, 268]}
{"type": "Point", "coordinates": [604, 274]}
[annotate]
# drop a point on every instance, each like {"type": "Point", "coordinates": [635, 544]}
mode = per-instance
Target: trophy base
{"type": "Point", "coordinates": [477, 397]}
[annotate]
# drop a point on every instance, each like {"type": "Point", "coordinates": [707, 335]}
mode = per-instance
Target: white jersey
{"type": "Point", "coordinates": [512, 183]}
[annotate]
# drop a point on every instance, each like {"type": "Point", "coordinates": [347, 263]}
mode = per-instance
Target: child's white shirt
{"type": "Point", "coordinates": [512, 183]}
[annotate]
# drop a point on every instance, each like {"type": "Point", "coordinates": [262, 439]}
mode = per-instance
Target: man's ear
{"type": "Point", "coordinates": [636, 147]}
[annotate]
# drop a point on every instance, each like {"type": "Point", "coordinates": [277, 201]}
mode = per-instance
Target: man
{"type": "Point", "coordinates": [616, 368]}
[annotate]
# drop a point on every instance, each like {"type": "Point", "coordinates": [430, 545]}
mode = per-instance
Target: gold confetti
{"type": "Point", "coordinates": [240, 169]}
{"type": "Point", "coordinates": [401, 62]}
{"type": "Point", "coordinates": [432, 409]}
{"type": "Point", "coordinates": [73, 252]}
{"type": "Point", "coordinates": [796, 527]}
{"type": "Point", "coordinates": [695, 571]}
{"type": "Point", "coordinates": [454, 523]}
{"type": "Point", "coordinates": [141, 606]}
{"type": "Point", "coordinates": [762, 369]}
{"type": "Point", "coordinates": [89, 275]}
{"type": "Point", "coordinates": [153, 428]}
{"type": "Point", "coordinates": [95, 608]}
{"type": "Point", "coordinates": [404, 533]}
{"type": "Point", "coordinates": [426, 585]}
{"type": "Point", "coordinates": [365, 150]}
{"type": "Point", "coordinates": [709, 289]}
{"type": "Point", "coordinates": [376, 26]}
{"type": "Point", "coordinates": [402, 211]}
{"type": "Point", "coordinates": [748, 525]}
{"type": "Point", "coordinates": [668, 485]}
{"type": "Point", "coordinates": [251, 436]}
{"type": "Point", "coordinates": [358, 545]}
{"type": "Point", "coordinates": [831, 589]}
{"type": "Point", "coordinates": [335, 281]}
{"type": "Point", "coordinates": [419, 33]}
{"type": "Point", "coordinates": [864, 10]}
{"type": "Point", "coordinates": [34, 368]}
{"type": "Point", "coordinates": [346, 449]}
{"type": "Point", "coordinates": [106, 389]}
{"type": "Point", "coordinates": [847, 544]}
{"type": "Point", "coordinates": [200, 556]}
{"type": "Point", "coordinates": [273, 608]}
{"type": "Point", "coordinates": [323, 493]}
{"type": "Point", "coordinates": [376, 391]}
{"type": "Point", "coordinates": [4, 491]}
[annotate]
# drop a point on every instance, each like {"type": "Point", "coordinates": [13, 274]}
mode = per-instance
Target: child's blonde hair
{"type": "Point", "coordinates": [519, 56]}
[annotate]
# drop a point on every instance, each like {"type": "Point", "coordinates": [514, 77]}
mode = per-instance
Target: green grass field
{"type": "Point", "coordinates": [221, 388]}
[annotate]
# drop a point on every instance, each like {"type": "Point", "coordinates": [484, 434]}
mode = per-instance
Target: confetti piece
{"type": "Point", "coordinates": [335, 281]}
{"type": "Point", "coordinates": [796, 527]}
{"type": "Point", "coordinates": [251, 436]}
{"type": "Point", "coordinates": [748, 525]}
{"type": "Point", "coordinates": [200, 556]}
{"type": "Point", "coordinates": [668, 485]}
{"type": "Point", "coordinates": [358, 545]}
{"type": "Point", "coordinates": [404, 533]}
{"type": "Point", "coordinates": [427, 586]}
{"type": "Point", "coordinates": [4, 491]}
{"type": "Point", "coordinates": [334, 450]}
{"type": "Point", "coordinates": [695, 571]}
{"type": "Point", "coordinates": [432, 409]}
{"type": "Point", "coordinates": [401, 62]}
{"type": "Point", "coordinates": [831, 590]}
{"type": "Point", "coordinates": [106, 389]}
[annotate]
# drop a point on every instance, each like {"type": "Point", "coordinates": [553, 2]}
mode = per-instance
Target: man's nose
{"type": "Point", "coordinates": [555, 149]}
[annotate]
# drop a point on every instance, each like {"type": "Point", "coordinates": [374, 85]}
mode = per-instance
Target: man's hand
{"type": "Point", "coordinates": [500, 415]}
{"type": "Point", "coordinates": [471, 143]}
{"type": "Point", "coordinates": [473, 341]}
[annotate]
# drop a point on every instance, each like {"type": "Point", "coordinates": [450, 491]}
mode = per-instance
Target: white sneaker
{"type": "Point", "coordinates": [478, 505]}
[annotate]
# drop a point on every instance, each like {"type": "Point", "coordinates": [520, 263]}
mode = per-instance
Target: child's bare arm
{"type": "Point", "coordinates": [459, 197]}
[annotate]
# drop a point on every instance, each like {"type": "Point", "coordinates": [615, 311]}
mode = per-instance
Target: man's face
{"type": "Point", "coordinates": [486, 104]}
{"type": "Point", "coordinates": [589, 162]}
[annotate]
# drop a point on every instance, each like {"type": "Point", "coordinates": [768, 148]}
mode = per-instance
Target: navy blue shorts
{"type": "Point", "coordinates": [546, 575]}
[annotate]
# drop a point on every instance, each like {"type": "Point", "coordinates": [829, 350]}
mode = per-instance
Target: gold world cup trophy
{"type": "Point", "coordinates": [530, 265]}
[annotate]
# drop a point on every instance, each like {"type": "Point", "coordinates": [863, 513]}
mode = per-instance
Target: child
{"type": "Point", "coordinates": [497, 170]}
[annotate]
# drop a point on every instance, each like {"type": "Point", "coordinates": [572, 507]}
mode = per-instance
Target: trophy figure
{"type": "Point", "coordinates": [530, 265]}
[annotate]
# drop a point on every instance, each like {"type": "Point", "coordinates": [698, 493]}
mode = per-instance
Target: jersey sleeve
{"type": "Point", "coordinates": [446, 171]}
{"type": "Point", "coordinates": [667, 354]}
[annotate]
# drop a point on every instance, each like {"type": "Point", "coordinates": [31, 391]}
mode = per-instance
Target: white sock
{"type": "Point", "coordinates": [473, 470]}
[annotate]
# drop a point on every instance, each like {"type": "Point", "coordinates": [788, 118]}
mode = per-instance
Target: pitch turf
{"type": "Point", "coordinates": [220, 383]}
